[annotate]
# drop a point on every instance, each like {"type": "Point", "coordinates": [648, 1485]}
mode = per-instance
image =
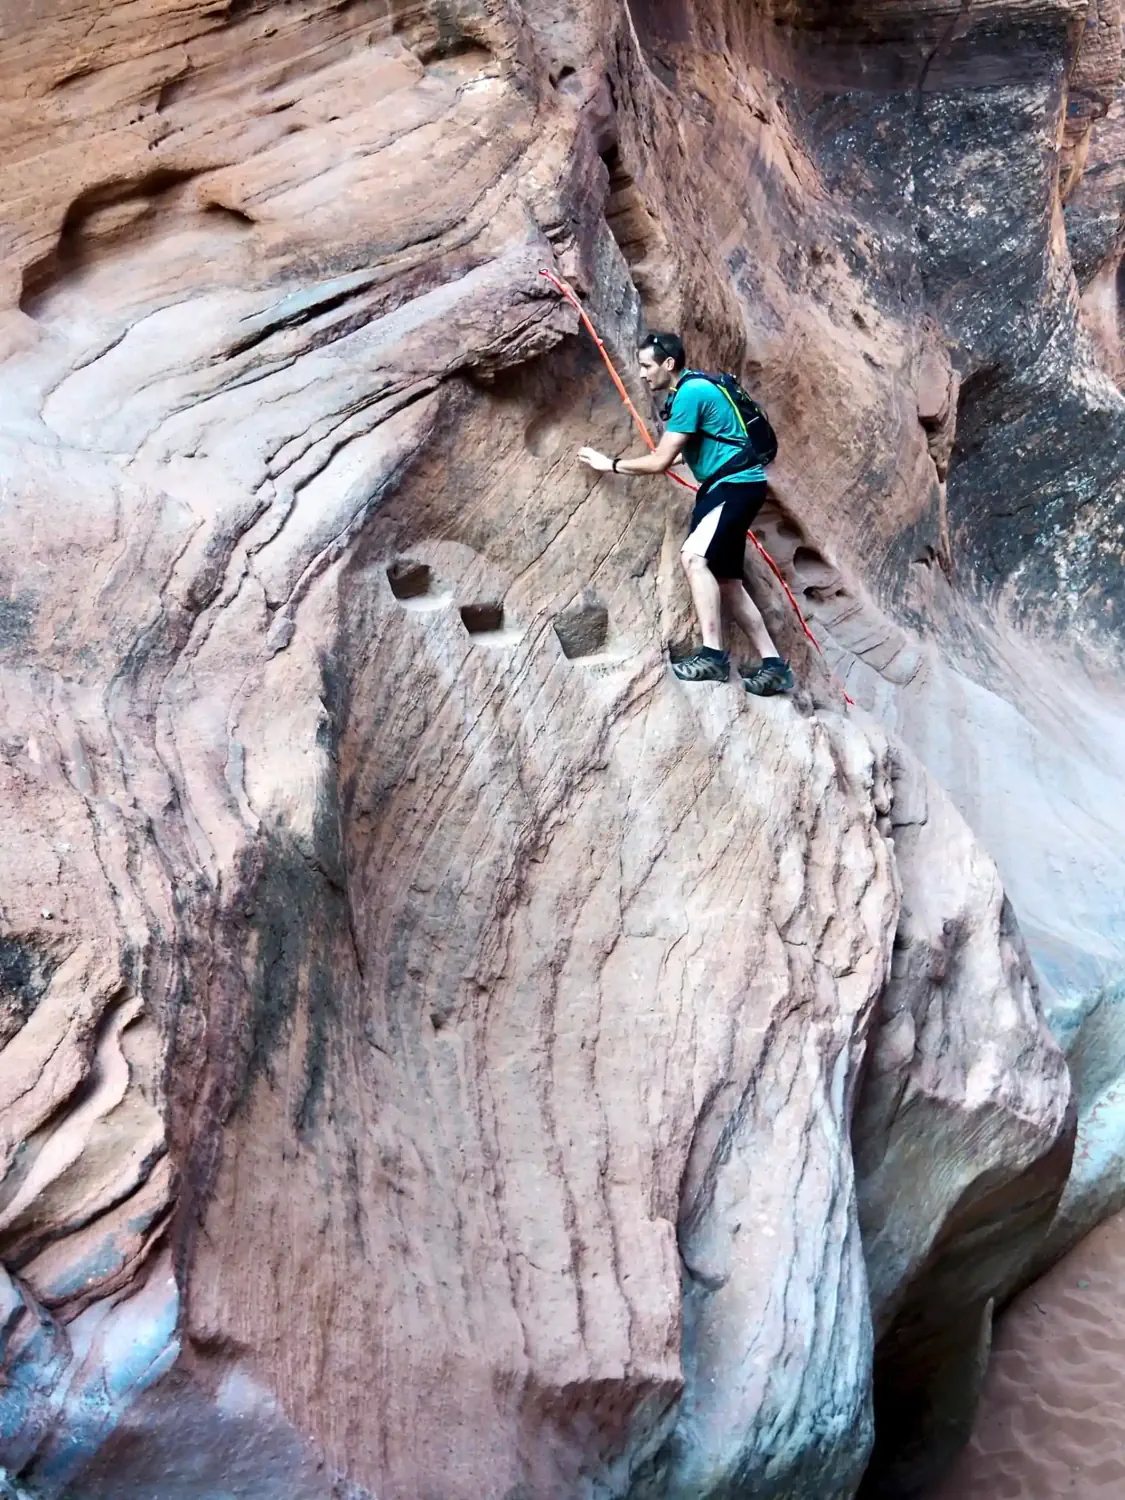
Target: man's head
{"type": "Point", "coordinates": [661, 358]}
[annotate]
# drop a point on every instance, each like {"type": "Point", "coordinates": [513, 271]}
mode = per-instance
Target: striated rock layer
{"type": "Point", "coordinates": [444, 1056]}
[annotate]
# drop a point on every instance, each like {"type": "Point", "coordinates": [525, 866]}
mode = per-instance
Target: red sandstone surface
{"type": "Point", "coordinates": [444, 1057]}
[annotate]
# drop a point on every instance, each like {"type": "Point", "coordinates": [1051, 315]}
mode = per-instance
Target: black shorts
{"type": "Point", "coordinates": [741, 502]}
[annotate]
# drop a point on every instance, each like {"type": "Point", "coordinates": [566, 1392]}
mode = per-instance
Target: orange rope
{"type": "Point", "coordinates": [565, 291]}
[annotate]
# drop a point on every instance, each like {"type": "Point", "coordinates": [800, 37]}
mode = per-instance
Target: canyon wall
{"type": "Point", "coordinates": [443, 1055]}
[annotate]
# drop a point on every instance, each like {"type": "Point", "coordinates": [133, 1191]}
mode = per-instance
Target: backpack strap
{"type": "Point", "coordinates": [747, 455]}
{"type": "Point", "coordinates": [737, 464]}
{"type": "Point", "coordinates": [715, 437]}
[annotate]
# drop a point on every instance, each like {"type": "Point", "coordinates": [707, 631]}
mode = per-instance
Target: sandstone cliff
{"type": "Point", "coordinates": [443, 1055]}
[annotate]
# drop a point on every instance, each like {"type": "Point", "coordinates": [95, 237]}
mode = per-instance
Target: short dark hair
{"type": "Point", "coordinates": [665, 346]}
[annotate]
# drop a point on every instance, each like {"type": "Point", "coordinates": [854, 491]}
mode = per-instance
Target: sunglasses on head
{"type": "Point", "coordinates": [658, 344]}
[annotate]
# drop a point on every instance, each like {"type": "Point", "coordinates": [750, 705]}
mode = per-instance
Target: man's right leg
{"type": "Point", "coordinates": [727, 557]}
{"type": "Point", "coordinates": [747, 615]}
{"type": "Point", "coordinates": [772, 674]}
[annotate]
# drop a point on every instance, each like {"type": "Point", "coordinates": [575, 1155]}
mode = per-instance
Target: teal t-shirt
{"type": "Point", "coordinates": [701, 408]}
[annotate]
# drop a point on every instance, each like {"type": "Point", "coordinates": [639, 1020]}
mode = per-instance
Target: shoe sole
{"type": "Point", "coordinates": [770, 692]}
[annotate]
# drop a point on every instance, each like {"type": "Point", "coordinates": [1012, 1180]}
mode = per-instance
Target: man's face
{"type": "Point", "coordinates": [656, 373]}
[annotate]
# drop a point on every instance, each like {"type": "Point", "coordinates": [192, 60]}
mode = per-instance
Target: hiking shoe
{"type": "Point", "coordinates": [770, 676]}
{"type": "Point", "coordinates": [706, 665]}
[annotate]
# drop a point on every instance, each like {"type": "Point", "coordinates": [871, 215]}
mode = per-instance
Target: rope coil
{"type": "Point", "coordinates": [569, 295]}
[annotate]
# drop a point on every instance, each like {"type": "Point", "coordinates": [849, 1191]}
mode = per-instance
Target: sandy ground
{"type": "Point", "coordinates": [1052, 1421]}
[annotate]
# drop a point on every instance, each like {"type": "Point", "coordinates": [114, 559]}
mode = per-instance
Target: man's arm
{"type": "Point", "coordinates": [668, 450]}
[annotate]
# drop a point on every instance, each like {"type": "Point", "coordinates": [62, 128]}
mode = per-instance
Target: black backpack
{"type": "Point", "coordinates": [760, 444]}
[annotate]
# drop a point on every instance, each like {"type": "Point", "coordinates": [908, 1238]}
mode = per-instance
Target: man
{"type": "Point", "coordinates": [705, 428]}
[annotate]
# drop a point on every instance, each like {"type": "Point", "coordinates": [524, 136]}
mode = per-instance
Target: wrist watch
{"type": "Point", "coordinates": [615, 466]}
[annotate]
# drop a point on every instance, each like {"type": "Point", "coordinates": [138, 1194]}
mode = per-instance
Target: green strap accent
{"type": "Point", "coordinates": [714, 436]}
{"type": "Point", "coordinates": [733, 407]}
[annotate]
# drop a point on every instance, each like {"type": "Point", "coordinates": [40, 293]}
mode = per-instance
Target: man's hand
{"type": "Point", "coordinates": [667, 452]}
{"type": "Point", "coordinates": [596, 460]}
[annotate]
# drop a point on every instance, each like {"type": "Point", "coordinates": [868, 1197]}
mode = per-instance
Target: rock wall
{"type": "Point", "coordinates": [443, 1055]}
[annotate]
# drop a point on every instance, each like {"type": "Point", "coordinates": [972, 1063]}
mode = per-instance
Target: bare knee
{"type": "Point", "coordinates": [691, 562]}
{"type": "Point", "coordinates": [736, 591]}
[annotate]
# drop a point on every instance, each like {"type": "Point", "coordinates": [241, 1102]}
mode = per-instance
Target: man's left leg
{"type": "Point", "coordinates": [710, 663]}
{"type": "Point", "coordinates": [706, 598]}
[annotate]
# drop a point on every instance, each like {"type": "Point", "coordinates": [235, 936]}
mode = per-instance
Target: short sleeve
{"type": "Point", "coordinates": [684, 416]}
